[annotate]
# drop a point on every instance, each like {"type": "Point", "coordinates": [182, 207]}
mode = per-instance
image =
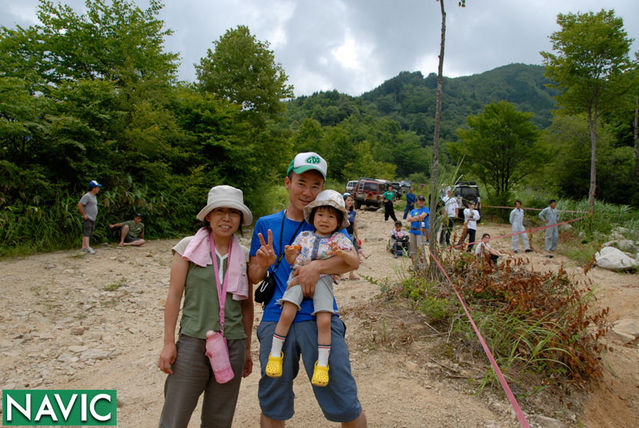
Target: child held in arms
{"type": "Point", "coordinates": [327, 214]}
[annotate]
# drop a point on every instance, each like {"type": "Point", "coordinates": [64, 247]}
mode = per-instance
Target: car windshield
{"type": "Point", "coordinates": [470, 193]}
{"type": "Point", "coordinates": [370, 187]}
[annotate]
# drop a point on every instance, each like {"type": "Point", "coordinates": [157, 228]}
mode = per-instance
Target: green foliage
{"type": "Point", "coordinates": [591, 56]}
{"type": "Point", "coordinates": [95, 98]}
{"type": "Point", "coordinates": [242, 69]}
{"type": "Point", "coordinates": [568, 140]}
{"type": "Point", "coordinates": [430, 300]}
{"type": "Point", "coordinates": [590, 67]}
{"type": "Point", "coordinates": [500, 147]}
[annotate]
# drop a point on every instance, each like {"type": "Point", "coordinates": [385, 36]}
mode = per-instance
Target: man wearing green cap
{"type": "Point", "coordinates": [338, 400]}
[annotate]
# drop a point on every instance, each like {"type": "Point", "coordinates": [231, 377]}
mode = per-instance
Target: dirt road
{"type": "Point", "coordinates": [90, 322]}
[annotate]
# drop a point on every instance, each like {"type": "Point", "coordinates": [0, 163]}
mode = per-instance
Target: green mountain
{"type": "Point", "coordinates": [409, 98]}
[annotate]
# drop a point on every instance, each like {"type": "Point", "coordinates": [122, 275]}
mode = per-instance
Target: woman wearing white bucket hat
{"type": "Point", "coordinates": [210, 264]}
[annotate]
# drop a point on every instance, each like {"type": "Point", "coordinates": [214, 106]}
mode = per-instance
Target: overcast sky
{"type": "Point", "coordinates": [355, 45]}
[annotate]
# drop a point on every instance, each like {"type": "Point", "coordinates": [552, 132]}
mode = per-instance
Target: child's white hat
{"type": "Point", "coordinates": [329, 198]}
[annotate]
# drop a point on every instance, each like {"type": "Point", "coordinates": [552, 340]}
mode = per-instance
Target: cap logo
{"type": "Point", "coordinates": [313, 160]}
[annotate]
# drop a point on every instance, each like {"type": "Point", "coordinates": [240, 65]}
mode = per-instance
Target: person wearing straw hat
{"type": "Point", "coordinates": [328, 215]}
{"type": "Point", "coordinates": [338, 400]}
{"type": "Point", "coordinates": [209, 270]}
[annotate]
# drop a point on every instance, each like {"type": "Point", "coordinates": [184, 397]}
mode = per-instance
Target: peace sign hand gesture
{"type": "Point", "coordinates": [265, 255]}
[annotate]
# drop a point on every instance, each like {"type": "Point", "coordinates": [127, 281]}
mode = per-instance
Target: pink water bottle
{"type": "Point", "coordinates": [218, 354]}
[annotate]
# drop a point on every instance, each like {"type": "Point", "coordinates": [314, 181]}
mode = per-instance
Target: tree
{"type": "Point", "coordinates": [243, 70]}
{"type": "Point", "coordinates": [590, 59]}
{"type": "Point", "coordinates": [500, 147]}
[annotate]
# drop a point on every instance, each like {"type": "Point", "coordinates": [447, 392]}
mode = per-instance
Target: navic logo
{"type": "Point", "coordinates": [59, 407]}
{"type": "Point", "coordinates": [313, 159]}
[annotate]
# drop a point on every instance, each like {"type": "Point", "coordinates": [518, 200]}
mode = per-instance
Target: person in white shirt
{"type": "Point", "coordinates": [517, 222]}
{"type": "Point", "coordinates": [471, 215]}
{"type": "Point", "coordinates": [483, 249]}
{"type": "Point", "coordinates": [452, 211]}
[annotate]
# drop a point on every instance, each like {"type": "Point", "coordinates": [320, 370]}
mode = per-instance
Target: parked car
{"type": "Point", "coordinates": [465, 192]}
{"type": "Point", "coordinates": [350, 186]}
{"type": "Point", "coordinates": [368, 192]}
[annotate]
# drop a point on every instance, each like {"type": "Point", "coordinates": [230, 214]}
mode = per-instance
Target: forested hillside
{"type": "Point", "coordinates": [409, 99]}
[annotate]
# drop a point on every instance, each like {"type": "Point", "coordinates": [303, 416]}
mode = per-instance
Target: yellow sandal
{"type": "Point", "coordinates": [320, 375]}
{"type": "Point", "coordinates": [274, 366]}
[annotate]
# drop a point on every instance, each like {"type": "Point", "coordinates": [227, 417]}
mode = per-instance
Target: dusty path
{"type": "Point", "coordinates": [90, 322]}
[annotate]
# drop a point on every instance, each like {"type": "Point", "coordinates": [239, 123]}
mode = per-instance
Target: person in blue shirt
{"type": "Point", "coordinates": [416, 217]}
{"type": "Point", "coordinates": [338, 400]}
{"type": "Point", "coordinates": [410, 201]}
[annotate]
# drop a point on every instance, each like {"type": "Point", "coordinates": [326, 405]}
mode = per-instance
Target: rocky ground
{"type": "Point", "coordinates": [69, 320]}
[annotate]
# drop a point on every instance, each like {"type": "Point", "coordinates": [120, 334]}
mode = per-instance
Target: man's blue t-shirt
{"type": "Point", "coordinates": [416, 226]}
{"type": "Point", "coordinates": [272, 311]}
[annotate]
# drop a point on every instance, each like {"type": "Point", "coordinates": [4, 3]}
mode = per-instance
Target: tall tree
{"type": "Point", "coordinates": [243, 70]}
{"type": "Point", "coordinates": [500, 147]}
{"type": "Point", "coordinates": [591, 54]}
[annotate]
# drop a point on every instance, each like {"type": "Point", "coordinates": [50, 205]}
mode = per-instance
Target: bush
{"type": "Point", "coordinates": [545, 322]}
{"type": "Point", "coordinates": [533, 322]}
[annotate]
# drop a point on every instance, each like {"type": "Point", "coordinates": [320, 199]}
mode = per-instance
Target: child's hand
{"type": "Point", "coordinates": [336, 251]}
{"type": "Point", "coordinates": [291, 251]}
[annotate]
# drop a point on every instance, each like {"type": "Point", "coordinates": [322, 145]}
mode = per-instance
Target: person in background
{"type": "Point", "coordinates": [131, 232]}
{"type": "Point", "coordinates": [483, 249]}
{"type": "Point", "coordinates": [410, 201]}
{"type": "Point", "coordinates": [451, 209]}
{"type": "Point", "coordinates": [389, 200]}
{"type": "Point", "coordinates": [352, 228]}
{"type": "Point", "coordinates": [399, 240]}
{"type": "Point", "coordinates": [550, 216]}
{"type": "Point", "coordinates": [517, 222]}
{"type": "Point", "coordinates": [88, 207]}
{"type": "Point", "coordinates": [471, 216]}
{"type": "Point", "coordinates": [416, 217]}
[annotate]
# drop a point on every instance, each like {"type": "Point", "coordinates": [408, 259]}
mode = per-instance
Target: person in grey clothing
{"type": "Point", "coordinates": [551, 216]}
{"type": "Point", "coordinates": [517, 222]}
{"type": "Point", "coordinates": [88, 207]}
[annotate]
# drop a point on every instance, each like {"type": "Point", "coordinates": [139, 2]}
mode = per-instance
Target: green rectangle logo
{"type": "Point", "coordinates": [38, 407]}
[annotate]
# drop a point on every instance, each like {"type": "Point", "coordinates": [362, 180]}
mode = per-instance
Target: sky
{"type": "Point", "coordinates": [355, 45]}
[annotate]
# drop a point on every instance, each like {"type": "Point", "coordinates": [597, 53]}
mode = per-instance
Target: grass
{"type": "Point", "coordinates": [115, 285]}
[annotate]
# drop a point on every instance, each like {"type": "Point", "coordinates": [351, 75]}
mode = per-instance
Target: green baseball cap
{"type": "Point", "coordinates": [307, 161]}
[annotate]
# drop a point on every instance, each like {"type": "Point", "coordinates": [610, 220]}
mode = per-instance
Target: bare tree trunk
{"type": "Point", "coordinates": [636, 137]}
{"type": "Point", "coordinates": [435, 168]}
{"type": "Point", "coordinates": [592, 123]}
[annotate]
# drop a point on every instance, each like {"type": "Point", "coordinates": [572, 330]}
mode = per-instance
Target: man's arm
{"type": "Point", "coordinates": [264, 258]}
{"type": "Point", "coordinates": [308, 275]}
{"type": "Point", "coordinates": [81, 209]}
{"type": "Point", "coordinates": [512, 216]}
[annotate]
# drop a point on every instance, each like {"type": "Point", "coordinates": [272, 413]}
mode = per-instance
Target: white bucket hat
{"type": "Point", "coordinates": [227, 197]}
{"type": "Point", "coordinates": [329, 198]}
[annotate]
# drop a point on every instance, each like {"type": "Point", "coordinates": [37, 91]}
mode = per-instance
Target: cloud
{"type": "Point", "coordinates": [354, 45]}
